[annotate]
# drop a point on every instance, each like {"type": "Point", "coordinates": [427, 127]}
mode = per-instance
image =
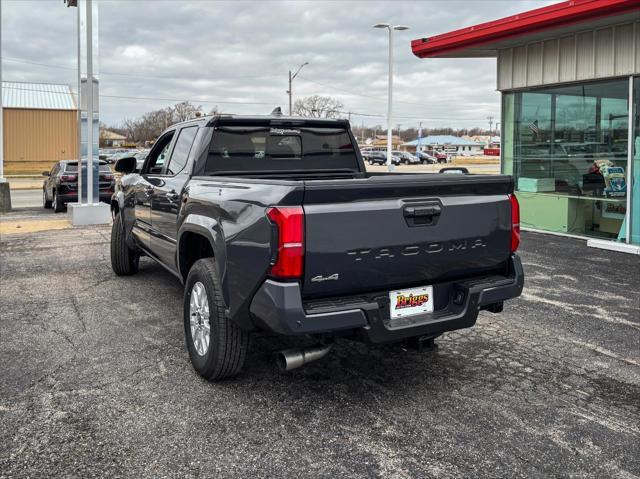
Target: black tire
{"type": "Point", "coordinates": [228, 343]}
{"type": "Point", "coordinates": [58, 207]}
{"type": "Point", "coordinates": [124, 260]}
{"type": "Point", "coordinates": [45, 202]}
{"type": "Point", "coordinates": [371, 162]}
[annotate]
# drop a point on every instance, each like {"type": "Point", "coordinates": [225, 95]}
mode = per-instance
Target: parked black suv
{"type": "Point", "coordinates": [379, 157]}
{"type": "Point", "coordinates": [61, 185]}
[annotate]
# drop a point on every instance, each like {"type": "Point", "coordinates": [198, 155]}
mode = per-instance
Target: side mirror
{"type": "Point", "coordinates": [45, 173]}
{"type": "Point", "coordinates": [126, 165]}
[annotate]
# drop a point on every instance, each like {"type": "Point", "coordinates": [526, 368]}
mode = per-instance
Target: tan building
{"type": "Point", "coordinates": [381, 141]}
{"type": "Point", "coordinates": [40, 126]}
{"type": "Point", "coordinates": [111, 139]}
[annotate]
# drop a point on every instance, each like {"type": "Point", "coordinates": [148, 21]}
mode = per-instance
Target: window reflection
{"type": "Point", "coordinates": [570, 157]}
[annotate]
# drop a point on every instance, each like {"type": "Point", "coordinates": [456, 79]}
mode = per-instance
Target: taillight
{"type": "Point", "coordinates": [290, 223]}
{"type": "Point", "coordinates": [68, 178]}
{"type": "Point", "coordinates": [515, 223]}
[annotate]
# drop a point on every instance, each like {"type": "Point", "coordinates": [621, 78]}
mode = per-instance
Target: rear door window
{"type": "Point", "coordinates": [263, 149]}
{"type": "Point", "coordinates": [181, 150]}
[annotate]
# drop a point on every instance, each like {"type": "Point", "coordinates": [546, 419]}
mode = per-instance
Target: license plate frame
{"type": "Point", "coordinates": [400, 302]}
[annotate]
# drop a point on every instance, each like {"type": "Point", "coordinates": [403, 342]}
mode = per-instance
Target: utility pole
{"type": "Point", "coordinates": [290, 90]}
{"type": "Point", "coordinates": [490, 118]}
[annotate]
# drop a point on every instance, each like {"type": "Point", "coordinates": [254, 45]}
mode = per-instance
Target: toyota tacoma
{"type": "Point", "coordinates": [272, 223]}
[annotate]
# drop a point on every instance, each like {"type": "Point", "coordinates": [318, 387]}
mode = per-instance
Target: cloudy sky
{"type": "Point", "coordinates": [236, 55]}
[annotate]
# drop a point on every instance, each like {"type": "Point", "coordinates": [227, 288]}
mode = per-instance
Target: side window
{"type": "Point", "coordinates": [181, 150]}
{"type": "Point", "coordinates": [159, 154]}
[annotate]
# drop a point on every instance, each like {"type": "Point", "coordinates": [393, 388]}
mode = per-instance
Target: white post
{"type": "Point", "coordinates": [88, 210]}
{"type": "Point", "coordinates": [390, 102]}
{"type": "Point", "coordinates": [79, 107]}
{"type": "Point", "coordinates": [89, 12]}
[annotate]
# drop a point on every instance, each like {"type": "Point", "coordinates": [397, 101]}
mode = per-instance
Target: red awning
{"type": "Point", "coordinates": [484, 39]}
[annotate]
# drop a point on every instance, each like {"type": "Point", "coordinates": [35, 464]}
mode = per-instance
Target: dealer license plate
{"type": "Point", "coordinates": [408, 302]}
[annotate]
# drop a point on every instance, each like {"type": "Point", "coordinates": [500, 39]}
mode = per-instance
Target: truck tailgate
{"type": "Point", "coordinates": [398, 230]}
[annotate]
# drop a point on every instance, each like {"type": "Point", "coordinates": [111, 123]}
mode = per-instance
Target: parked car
{"type": "Point", "coordinates": [440, 156]}
{"type": "Point", "coordinates": [274, 224]}
{"type": "Point", "coordinates": [426, 158]}
{"type": "Point", "coordinates": [140, 156]}
{"type": "Point", "coordinates": [378, 158]}
{"type": "Point", "coordinates": [61, 184]}
{"type": "Point", "coordinates": [406, 158]}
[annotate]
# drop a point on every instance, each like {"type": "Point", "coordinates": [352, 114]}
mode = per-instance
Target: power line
{"type": "Point", "coordinates": [74, 94]}
{"type": "Point", "coordinates": [241, 102]}
{"type": "Point", "coordinates": [333, 87]}
{"type": "Point", "coordinates": [269, 75]}
{"type": "Point", "coordinates": [135, 75]}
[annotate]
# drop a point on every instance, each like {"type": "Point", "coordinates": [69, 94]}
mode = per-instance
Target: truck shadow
{"type": "Point", "coordinates": [350, 370]}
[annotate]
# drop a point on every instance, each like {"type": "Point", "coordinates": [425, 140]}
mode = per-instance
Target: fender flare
{"type": "Point", "coordinates": [210, 229]}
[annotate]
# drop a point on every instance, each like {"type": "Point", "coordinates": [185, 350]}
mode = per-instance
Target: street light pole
{"type": "Point", "coordinates": [390, 28]}
{"type": "Point", "coordinates": [289, 91]}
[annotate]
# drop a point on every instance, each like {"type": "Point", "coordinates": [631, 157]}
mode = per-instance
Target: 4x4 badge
{"type": "Point", "coordinates": [320, 279]}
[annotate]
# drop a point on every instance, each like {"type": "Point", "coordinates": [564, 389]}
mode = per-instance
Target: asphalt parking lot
{"type": "Point", "coordinates": [95, 380]}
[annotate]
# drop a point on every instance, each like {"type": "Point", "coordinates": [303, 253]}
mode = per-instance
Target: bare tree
{"type": "Point", "coordinates": [184, 111]}
{"type": "Point", "coordinates": [317, 106]}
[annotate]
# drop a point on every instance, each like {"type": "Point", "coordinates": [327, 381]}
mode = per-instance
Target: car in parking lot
{"type": "Point", "coordinates": [61, 184]}
{"type": "Point", "coordinates": [140, 156]}
{"type": "Point", "coordinates": [406, 158]}
{"type": "Point", "coordinates": [273, 224]}
{"type": "Point", "coordinates": [374, 157]}
{"type": "Point", "coordinates": [425, 158]}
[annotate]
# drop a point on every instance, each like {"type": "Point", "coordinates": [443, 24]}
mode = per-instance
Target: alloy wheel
{"type": "Point", "coordinates": [199, 318]}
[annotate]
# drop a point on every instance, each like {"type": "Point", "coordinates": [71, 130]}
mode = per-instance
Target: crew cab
{"type": "Point", "coordinates": [272, 223]}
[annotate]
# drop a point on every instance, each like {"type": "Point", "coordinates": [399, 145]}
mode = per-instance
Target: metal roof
{"type": "Point", "coordinates": [442, 140]}
{"type": "Point", "coordinates": [485, 39]}
{"type": "Point", "coordinates": [41, 96]}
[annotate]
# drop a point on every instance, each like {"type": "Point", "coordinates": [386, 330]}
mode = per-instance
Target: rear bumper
{"type": "Point", "coordinates": [278, 307]}
{"type": "Point", "coordinates": [72, 197]}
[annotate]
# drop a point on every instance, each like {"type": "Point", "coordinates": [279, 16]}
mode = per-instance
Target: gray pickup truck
{"type": "Point", "coordinates": [273, 224]}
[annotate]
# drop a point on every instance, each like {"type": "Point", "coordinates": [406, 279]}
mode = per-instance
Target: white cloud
{"type": "Point", "coordinates": [214, 52]}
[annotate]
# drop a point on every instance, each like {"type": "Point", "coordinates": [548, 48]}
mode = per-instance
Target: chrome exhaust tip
{"type": "Point", "coordinates": [294, 358]}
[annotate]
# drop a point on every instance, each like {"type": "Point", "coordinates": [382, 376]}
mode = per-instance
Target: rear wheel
{"type": "Point", "coordinates": [371, 162]}
{"type": "Point", "coordinates": [45, 202]}
{"type": "Point", "coordinates": [217, 346]}
{"type": "Point", "coordinates": [57, 205]}
{"type": "Point", "coordinates": [124, 260]}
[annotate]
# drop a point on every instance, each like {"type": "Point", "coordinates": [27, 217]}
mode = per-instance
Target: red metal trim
{"type": "Point", "coordinates": [552, 16]}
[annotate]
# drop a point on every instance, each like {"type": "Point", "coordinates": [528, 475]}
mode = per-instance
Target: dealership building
{"type": "Point", "coordinates": [569, 75]}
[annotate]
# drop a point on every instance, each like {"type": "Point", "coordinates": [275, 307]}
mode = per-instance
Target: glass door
{"type": "Point", "coordinates": [634, 213]}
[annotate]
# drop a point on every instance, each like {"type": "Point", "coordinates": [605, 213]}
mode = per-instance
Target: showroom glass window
{"type": "Point", "coordinates": [569, 151]}
{"type": "Point", "coordinates": [635, 198]}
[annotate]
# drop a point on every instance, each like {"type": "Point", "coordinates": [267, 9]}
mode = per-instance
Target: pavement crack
{"type": "Point", "coordinates": [76, 308]}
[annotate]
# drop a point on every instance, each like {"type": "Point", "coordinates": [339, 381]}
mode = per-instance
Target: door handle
{"type": "Point", "coordinates": [172, 195]}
